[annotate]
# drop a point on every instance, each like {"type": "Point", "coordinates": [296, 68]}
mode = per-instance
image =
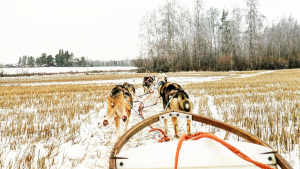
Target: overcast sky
{"type": "Point", "coordinates": [97, 29]}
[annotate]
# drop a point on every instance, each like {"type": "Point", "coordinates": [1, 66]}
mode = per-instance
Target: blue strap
{"type": "Point", "coordinates": [135, 111]}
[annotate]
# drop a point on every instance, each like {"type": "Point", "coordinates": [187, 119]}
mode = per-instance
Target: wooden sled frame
{"type": "Point", "coordinates": [145, 123]}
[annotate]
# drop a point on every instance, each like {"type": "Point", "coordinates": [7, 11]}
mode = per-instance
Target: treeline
{"type": "Point", "coordinates": [66, 59]}
{"type": "Point", "coordinates": [99, 63]}
{"type": "Point", "coordinates": [175, 39]}
{"type": "Point", "coordinates": [63, 58]}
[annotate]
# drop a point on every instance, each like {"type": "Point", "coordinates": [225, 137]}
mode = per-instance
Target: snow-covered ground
{"type": "Point", "coordinates": [142, 138]}
{"type": "Point", "coordinates": [10, 71]}
{"type": "Point", "coordinates": [93, 143]}
{"type": "Point", "coordinates": [256, 74]}
{"type": "Point", "coordinates": [183, 80]}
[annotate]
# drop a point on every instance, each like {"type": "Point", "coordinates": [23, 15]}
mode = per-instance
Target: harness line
{"type": "Point", "coordinates": [141, 116]}
{"type": "Point", "coordinates": [135, 111]}
{"type": "Point", "coordinates": [140, 96]}
{"type": "Point", "coordinates": [140, 109]}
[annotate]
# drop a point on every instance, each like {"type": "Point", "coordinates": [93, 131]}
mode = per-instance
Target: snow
{"type": "Point", "coordinates": [196, 127]}
{"type": "Point", "coordinates": [196, 79]}
{"type": "Point", "coordinates": [62, 69]}
{"type": "Point", "coordinates": [256, 74]}
{"type": "Point", "coordinates": [92, 144]}
{"type": "Point", "coordinates": [183, 80]}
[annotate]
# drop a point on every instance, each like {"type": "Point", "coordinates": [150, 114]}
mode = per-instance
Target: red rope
{"type": "Point", "coordinates": [200, 135]}
{"type": "Point", "coordinates": [140, 106]}
{"type": "Point", "coordinates": [163, 138]}
{"type": "Point", "coordinates": [140, 109]}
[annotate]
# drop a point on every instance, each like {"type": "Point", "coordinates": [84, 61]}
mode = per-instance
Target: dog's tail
{"type": "Point", "coordinates": [184, 102]}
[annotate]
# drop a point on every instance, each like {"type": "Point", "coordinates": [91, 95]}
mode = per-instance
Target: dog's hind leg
{"type": "Point", "coordinates": [109, 115]}
{"type": "Point", "coordinates": [145, 89]}
{"type": "Point", "coordinates": [117, 124]}
{"type": "Point", "coordinates": [124, 115]}
{"type": "Point", "coordinates": [150, 88]}
{"type": "Point", "coordinates": [166, 126]}
{"type": "Point", "coordinates": [125, 126]}
{"type": "Point", "coordinates": [188, 127]}
{"type": "Point", "coordinates": [175, 124]}
{"type": "Point", "coordinates": [127, 121]}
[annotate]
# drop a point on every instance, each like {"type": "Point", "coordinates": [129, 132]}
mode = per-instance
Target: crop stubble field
{"type": "Point", "coordinates": [39, 122]}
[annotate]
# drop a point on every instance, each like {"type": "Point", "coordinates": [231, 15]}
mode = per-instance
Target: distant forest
{"type": "Point", "coordinates": [174, 39]}
{"type": "Point", "coordinates": [66, 59]}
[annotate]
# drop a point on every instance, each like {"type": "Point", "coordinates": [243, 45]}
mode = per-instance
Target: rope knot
{"type": "Point", "coordinates": [164, 138]}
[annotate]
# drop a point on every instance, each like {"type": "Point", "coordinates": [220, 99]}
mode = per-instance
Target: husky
{"type": "Point", "coordinates": [119, 104]}
{"type": "Point", "coordinates": [178, 99]}
{"type": "Point", "coordinates": [148, 83]}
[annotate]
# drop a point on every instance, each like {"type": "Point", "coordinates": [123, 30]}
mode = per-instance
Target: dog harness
{"type": "Point", "coordinates": [148, 81]}
{"type": "Point", "coordinates": [124, 90]}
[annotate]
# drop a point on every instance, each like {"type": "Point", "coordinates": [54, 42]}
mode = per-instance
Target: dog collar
{"type": "Point", "coordinates": [159, 83]}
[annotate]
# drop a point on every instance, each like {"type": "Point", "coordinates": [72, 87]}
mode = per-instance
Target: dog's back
{"type": "Point", "coordinates": [116, 91]}
{"type": "Point", "coordinates": [180, 99]}
{"type": "Point", "coordinates": [129, 91]}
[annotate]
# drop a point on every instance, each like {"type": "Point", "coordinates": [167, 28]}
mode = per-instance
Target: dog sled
{"type": "Point", "coordinates": [197, 153]}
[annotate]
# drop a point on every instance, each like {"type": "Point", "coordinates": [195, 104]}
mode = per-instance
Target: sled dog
{"type": "Point", "coordinates": [119, 103]}
{"type": "Point", "coordinates": [148, 83]}
{"type": "Point", "coordinates": [162, 77]}
{"type": "Point", "coordinates": [178, 99]}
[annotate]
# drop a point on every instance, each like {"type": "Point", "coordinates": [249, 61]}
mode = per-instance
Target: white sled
{"type": "Point", "coordinates": [203, 153]}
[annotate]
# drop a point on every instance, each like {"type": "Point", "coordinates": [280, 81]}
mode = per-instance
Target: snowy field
{"type": "Point", "coordinates": [83, 142]}
{"type": "Point", "coordinates": [47, 70]}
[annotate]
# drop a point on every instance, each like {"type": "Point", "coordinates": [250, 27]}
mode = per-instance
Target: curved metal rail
{"type": "Point", "coordinates": [239, 132]}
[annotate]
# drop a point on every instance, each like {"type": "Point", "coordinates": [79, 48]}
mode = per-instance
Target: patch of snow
{"type": "Point", "coordinates": [181, 80]}
{"type": "Point", "coordinates": [62, 69]}
{"type": "Point", "coordinates": [256, 74]}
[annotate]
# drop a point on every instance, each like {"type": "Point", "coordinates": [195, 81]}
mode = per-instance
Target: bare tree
{"type": "Point", "coordinates": [182, 39]}
{"type": "Point", "coordinates": [198, 36]}
{"type": "Point", "coordinates": [213, 24]}
{"type": "Point", "coordinates": [254, 23]}
{"type": "Point", "coordinates": [235, 25]}
{"type": "Point", "coordinates": [173, 40]}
